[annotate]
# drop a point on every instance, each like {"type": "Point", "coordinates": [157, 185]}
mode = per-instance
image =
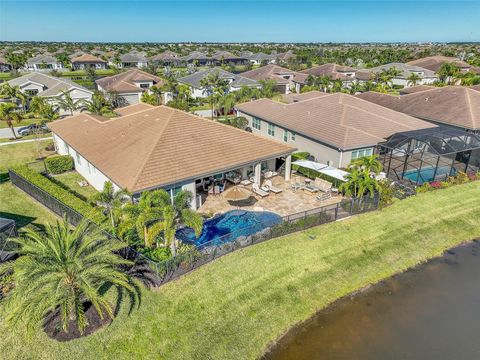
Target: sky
{"type": "Point", "coordinates": [240, 21]}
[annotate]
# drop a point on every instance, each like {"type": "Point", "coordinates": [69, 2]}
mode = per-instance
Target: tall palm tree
{"type": "Point", "coordinates": [63, 269]}
{"type": "Point", "coordinates": [448, 73]}
{"type": "Point", "coordinates": [214, 87]}
{"type": "Point", "coordinates": [66, 103]}
{"type": "Point", "coordinates": [268, 88]}
{"type": "Point", "coordinates": [413, 79]}
{"type": "Point", "coordinates": [227, 103]}
{"type": "Point", "coordinates": [110, 199]}
{"type": "Point", "coordinates": [9, 113]}
{"type": "Point", "coordinates": [370, 164]}
{"type": "Point", "coordinates": [157, 91]}
{"type": "Point", "coordinates": [14, 92]}
{"type": "Point", "coordinates": [98, 105]}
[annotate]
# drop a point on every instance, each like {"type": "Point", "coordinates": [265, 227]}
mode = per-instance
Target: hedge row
{"type": "Point", "coordinates": [59, 164]}
{"type": "Point", "coordinates": [61, 194]}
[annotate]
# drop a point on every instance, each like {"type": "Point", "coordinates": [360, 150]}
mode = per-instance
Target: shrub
{"type": "Point", "coordinates": [59, 164]}
{"type": "Point", "coordinates": [462, 178]}
{"type": "Point", "coordinates": [300, 156]}
{"type": "Point", "coordinates": [62, 195]}
{"type": "Point", "coordinates": [386, 193]}
{"type": "Point", "coordinates": [472, 176]}
{"type": "Point", "coordinates": [423, 188]}
{"type": "Point", "coordinates": [157, 254]}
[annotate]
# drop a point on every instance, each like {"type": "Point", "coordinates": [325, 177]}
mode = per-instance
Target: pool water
{"type": "Point", "coordinates": [230, 226]}
{"type": "Point", "coordinates": [426, 174]}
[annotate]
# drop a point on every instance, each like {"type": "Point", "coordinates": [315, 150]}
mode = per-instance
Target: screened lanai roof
{"type": "Point", "coordinates": [439, 140]}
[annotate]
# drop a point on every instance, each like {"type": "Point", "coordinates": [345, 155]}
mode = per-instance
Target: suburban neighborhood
{"type": "Point", "coordinates": [205, 198]}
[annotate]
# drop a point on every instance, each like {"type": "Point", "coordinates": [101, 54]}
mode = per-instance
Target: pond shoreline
{"type": "Point", "coordinates": [332, 306]}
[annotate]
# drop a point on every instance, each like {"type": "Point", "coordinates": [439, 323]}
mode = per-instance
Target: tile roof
{"type": "Point", "coordinates": [125, 81]}
{"type": "Point", "coordinates": [294, 97]}
{"type": "Point", "coordinates": [339, 120]}
{"type": "Point", "coordinates": [334, 71]}
{"type": "Point", "coordinates": [133, 57]}
{"type": "Point", "coordinates": [166, 55]}
{"type": "Point", "coordinates": [196, 78]}
{"type": "Point", "coordinates": [415, 89]}
{"type": "Point", "coordinates": [451, 105]}
{"type": "Point", "coordinates": [271, 72]}
{"type": "Point", "coordinates": [434, 63]}
{"type": "Point", "coordinates": [40, 59]}
{"type": "Point", "coordinates": [87, 58]}
{"type": "Point", "coordinates": [405, 70]}
{"type": "Point", "coordinates": [159, 146]}
{"type": "Point", "coordinates": [53, 85]}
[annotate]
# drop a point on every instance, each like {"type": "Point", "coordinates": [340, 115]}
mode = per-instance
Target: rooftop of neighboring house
{"type": "Point", "coordinates": [166, 55]}
{"type": "Point", "coordinates": [87, 58]}
{"type": "Point", "coordinates": [405, 70]}
{"type": "Point", "coordinates": [257, 56]}
{"type": "Point", "coordinates": [294, 97]}
{"type": "Point", "coordinates": [133, 57]}
{"type": "Point", "coordinates": [196, 55]}
{"type": "Point", "coordinates": [434, 63]}
{"type": "Point", "coordinates": [272, 72]}
{"type": "Point", "coordinates": [415, 89]}
{"type": "Point", "coordinates": [224, 55]}
{"type": "Point", "coordinates": [339, 120]}
{"type": "Point", "coordinates": [125, 81]}
{"type": "Point", "coordinates": [286, 55]}
{"type": "Point", "coordinates": [195, 79]}
{"type": "Point", "coordinates": [42, 58]}
{"type": "Point", "coordinates": [451, 105]}
{"type": "Point", "coordinates": [333, 71]}
{"type": "Point", "coordinates": [53, 86]}
{"type": "Point", "coordinates": [159, 146]}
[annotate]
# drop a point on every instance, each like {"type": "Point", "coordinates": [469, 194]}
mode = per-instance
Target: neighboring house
{"type": "Point", "coordinates": [161, 147]}
{"type": "Point", "coordinates": [415, 89]}
{"type": "Point", "coordinates": [284, 57]}
{"type": "Point", "coordinates": [433, 63]}
{"type": "Point", "coordinates": [131, 60]}
{"type": "Point", "coordinates": [88, 61]}
{"type": "Point", "coordinates": [426, 76]}
{"type": "Point", "coordinates": [4, 65]}
{"type": "Point", "coordinates": [293, 97]}
{"type": "Point", "coordinates": [130, 85]}
{"type": "Point", "coordinates": [197, 58]}
{"type": "Point", "coordinates": [167, 58]}
{"type": "Point", "coordinates": [236, 82]}
{"type": "Point", "coordinates": [334, 128]}
{"type": "Point", "coordinates": [333, 71]}
{"type": "Point", "coordinates": [456, 106]}
{"type": "Point", "coordinates": [283, 77]}
{"type": "Point", "coordinates": [259, 58]}
{"type": "Point", "coordinates": [50, 87]}
{"type": "Point", "coordinates": [227, 58]}
{"type": "Point", "coordinates": [44, 63]}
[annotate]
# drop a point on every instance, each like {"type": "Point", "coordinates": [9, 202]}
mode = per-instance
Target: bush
{"type": "Point", "coordinates": [62, 195]}
{"type": "Point", "coordinates": [300, 156]}
{"type": "Point", "coordinates": [59, 164]}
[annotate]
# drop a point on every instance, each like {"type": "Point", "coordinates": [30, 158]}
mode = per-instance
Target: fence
{"type": "Point", "coordinates": [185, 262]}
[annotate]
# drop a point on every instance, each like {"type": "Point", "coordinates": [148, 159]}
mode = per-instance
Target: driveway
{"type": "Point", "coordinates": [7, 132]}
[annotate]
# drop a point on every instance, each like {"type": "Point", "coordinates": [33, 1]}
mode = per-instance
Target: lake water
{"type": "Point", "coordinates": [431, 312]}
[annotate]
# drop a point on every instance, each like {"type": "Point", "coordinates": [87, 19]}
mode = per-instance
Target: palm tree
{"type": "Point", "coordinates": [14, 92]}
{"type": "Point", "coordinates": [98, 105]}
{"type": "Point", "coordinates": [61, 270]}
{"type": "Point", "coordinates": [66, 103]}
{"type": "Point", "coordinates": [268, 88]}
{"type": "Point", "coordinates": [144, 216]}
{"type": "Point", "coordinates": [157, 91]}
{"type": "Point", "coordinates": [176, 213]}
{"type": "Point", "coordinates": [448, 73]}
{"type": "Point", "coordinates": [214, 86]}
{"type": "Point", "coordinates": [227, 103]}
{"type": "Point", "coordinates": [369, 164]}
{"type": "Point", "coordinates": [110, 199]}
{"type": "Point", "coordinates": [358, 183]}
{"type": "Point", "coordinates": [9, 113]}
{"type": "Point", "coordinates": [413, 79]}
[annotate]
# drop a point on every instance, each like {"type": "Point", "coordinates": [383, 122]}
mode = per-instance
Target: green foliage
{"type": "Point", "coordinates": [156, 254]}
{"type": "Point", "coordinates": [59, 164]}
{"type": "Point", "coordinates": [239, 122]}
{"type": "Point", "coordinates": [61, 194]}
{"type": "Point", "coordinates": [387, 193]}
{"type": "Point", "coordinates": [300, 156]}
{"type": "Point", "coordinates": [60, 270]}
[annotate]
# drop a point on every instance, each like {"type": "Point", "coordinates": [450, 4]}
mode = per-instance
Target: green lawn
{"type": "Point", "coordinates": [17, 154]}
{"type": "Point", "coordinates": [71, 179]}
{"type": "Point", "coordinates": [24, 122]}
{"type": "Point", "coordinates": [234, 307]}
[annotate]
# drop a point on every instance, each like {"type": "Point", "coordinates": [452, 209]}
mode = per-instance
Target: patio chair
{"type": "Point", "coordinates": [323, 196]}
{"type": "Point", "coordinates": [311, 188]}
{"type": "Point", "coordinates": [270, 174]}
{"type": "Point", "coordinates": [323, 185]}
{"type": "Point", "coordinates": [272, 188]}
{"type": "Point", "coordinates": [296, 186]}
{"type": "Point", "coordinates": [258, 191]}
{"type": "Point", "coordinates": [211, 190]}
{"type": "Point", "coordinates": [216, 190]}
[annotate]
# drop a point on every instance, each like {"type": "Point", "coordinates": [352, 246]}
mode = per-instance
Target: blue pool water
{"type": "Point", "coordinates": [229, 226]}
{"type": "Point", "coordinates": [426, 174]}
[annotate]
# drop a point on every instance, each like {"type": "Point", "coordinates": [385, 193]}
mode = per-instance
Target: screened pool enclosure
{"type": "Point", "coordinates": [429, 154]}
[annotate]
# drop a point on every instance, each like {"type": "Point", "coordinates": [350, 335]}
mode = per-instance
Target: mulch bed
{"type": "Point", "coordinates": [53, 326]}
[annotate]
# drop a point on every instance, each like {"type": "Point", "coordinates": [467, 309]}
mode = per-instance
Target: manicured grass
{"type": "Point", "coordinates": [234, 307]}
{"type": "Point", "coordinates": [70, 179]}
{"type": "Point", "coordinates": [19, 154]}
{"type": "Point", "coordinates": [16, 205]}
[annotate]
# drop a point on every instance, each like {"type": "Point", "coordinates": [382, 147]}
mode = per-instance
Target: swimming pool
{"type": "Point", "coordinates": [426, 174]}
{"type": "Point", "coordinates": [230, 226]}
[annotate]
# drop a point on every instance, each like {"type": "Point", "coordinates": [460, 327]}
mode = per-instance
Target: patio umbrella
{"type": "Point", "coordinates": [239, 196]}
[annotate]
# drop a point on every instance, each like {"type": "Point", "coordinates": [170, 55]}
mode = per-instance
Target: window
{"type": "Point", "coordinates": [292, 136]}
{"type": "Point", "coordinates": [256, 123]}
{"type": "Point", "coordinates": [285, 135]}
{"type": "Point", "coordinates": [271, 129]}
{"type": "Point", "coordinates": [78, 159]}
{"type": "Point", "coordinates": [361, 153]}
{"type": "Point", "coordinates": [67, 148]}
{"type": "Point", "coordinates": [144, 86]}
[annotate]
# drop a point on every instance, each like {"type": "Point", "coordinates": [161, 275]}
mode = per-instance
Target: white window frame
{"type": "Point", "coordinates": [257, 123]}
{"type": "Point", "coordinates": [271, 129]}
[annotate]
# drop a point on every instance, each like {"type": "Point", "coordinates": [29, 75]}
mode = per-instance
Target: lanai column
{"type": "Point", "coordinates": [258, 173]}
{"type": "Point", "coordinates": [288, 167]}
{"type": "Point", "coordinates": [245, 172]}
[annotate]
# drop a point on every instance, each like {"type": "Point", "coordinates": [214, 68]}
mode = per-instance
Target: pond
{"type": "Point", "coordinates": [229, 226]}
{"type": "Point", "coordinates": [430, 312]}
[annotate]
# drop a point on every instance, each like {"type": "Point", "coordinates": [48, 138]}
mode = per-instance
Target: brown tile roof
{"type": "Point", "coordinates": [166, 55]}
{"type": "Point", "coordinates": [293, 97]}
{"type": "Point", "coordinates": [434, 63]}
{"type": "Point", "coordinates": [87, 58]}
{"type": "Point", "coordinates": [339, 120]}
{"type": "Point", "coordinates": [271, 72]}
{"type": "Point", "coordinates": [452, 105]}
{"type": "Point", "coordinates": [125, 82]}
{"type": "Point", "coordinates": [159, 146]}
{"type": "Point", "coordinates": [333, 71]}
{"type": "Point", "coordinates": [415, 89]}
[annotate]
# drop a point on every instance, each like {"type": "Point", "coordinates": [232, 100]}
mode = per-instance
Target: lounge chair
{"type": "Point", "coordinates": [259, 191]}
{"type": "Point", "coordinates": [311, 187]}
{"type": "Point", "coordinates": [296, 186]}
{"type": "Point", "coordinates": [272, 188]}
{"type": "Point", "coordinates": [270, 174]}
{"type": "Point", "coordinates": [324, 196]}
{"type": "Point", "coordinates": [323, 185]}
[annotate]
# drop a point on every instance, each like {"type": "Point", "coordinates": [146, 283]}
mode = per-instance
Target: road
{"type": "Point", "coordinates": [6, 133]}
